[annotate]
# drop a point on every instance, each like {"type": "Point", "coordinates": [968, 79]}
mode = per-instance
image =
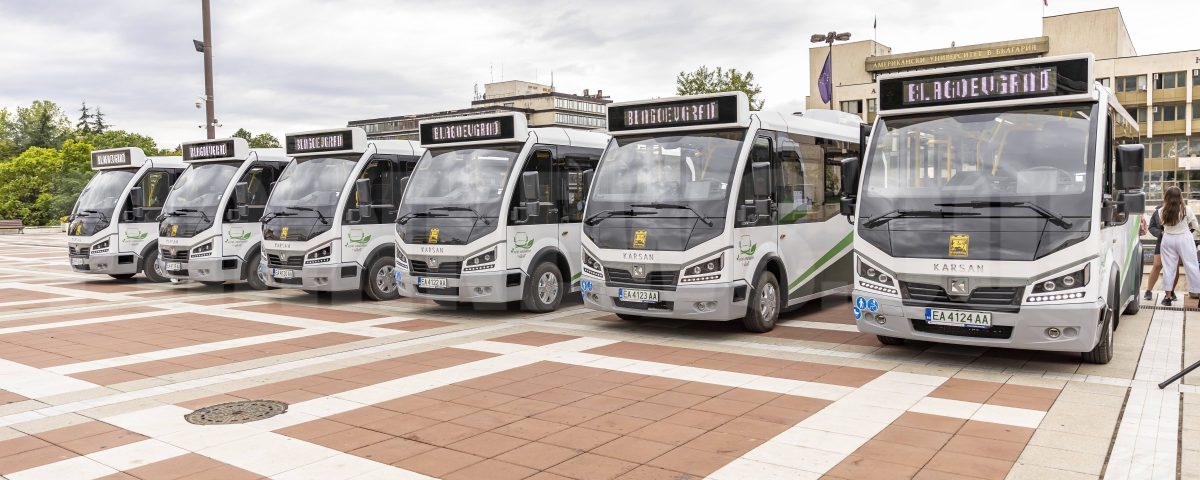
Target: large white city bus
{"type": "Point", "coordinates": [704, 210]}
{"type": "Point", "coordinates": [999, 207]}
{"type": "Point", "coordinates": [113, 228]}
{"type": "Point", "coordinates": [327, 225]}
{"type": "Point", "coordinates": [492, 212]}
{"type": "Point", "coordinates": [209, 230]}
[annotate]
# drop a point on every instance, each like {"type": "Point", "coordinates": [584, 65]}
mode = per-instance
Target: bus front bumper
{"type": "Point", "coordinates": [710, 301]}
{"type": "Point", "coordinates": [209, 269]}
{"type": "Point", "coordinates": [340, 277]}
{"type": "Point", "coordinates": [1077, 325]}
{"type": "Point", "coordinates": [483, 287]}
{"type": "Point", "coordinates": [107, 263]}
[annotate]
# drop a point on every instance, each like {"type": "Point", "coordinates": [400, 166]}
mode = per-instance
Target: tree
{"type": "Point", "coordinates": [42, 124]}
{"type": "Point", "coordinates": [8, 145]}
{"type": "Point", "coordinates": [27, 186]}
{"type": "Point", "coordinates": [120, 139]}
{"type": "Point", "coordinates": [98, 124]}
{"type": "Point", "coordinates": [264, 140]}
{"type": "Point", "coordinates": [85, 120]}
{"type": "Point", "coordinates": [703, 80]}
{"type": "Point", "coordinates": [243, 133]}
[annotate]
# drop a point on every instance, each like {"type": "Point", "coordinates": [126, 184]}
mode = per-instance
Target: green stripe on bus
{"type": "Point", "coordinates": [1137, 225]}
{"type": "Point", "coordinates": [822, 261]}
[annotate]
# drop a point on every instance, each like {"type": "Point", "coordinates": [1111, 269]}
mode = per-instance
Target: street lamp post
{"type": "Point", "coordinates": [828, 38]}
{"type": "Point", "coordinates": [205, 47]}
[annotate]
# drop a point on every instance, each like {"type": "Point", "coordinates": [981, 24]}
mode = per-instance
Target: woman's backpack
{"type": "Point", "coordinates": [1156, 227]}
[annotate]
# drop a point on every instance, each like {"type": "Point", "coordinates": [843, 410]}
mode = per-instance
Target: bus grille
{"type": "Point", "coordinates": [181, 256]}
{"type": "Point", "coordinates": [995, 331]}
{"type": "Point", "coordinates": [998, 296]}
{"type": "Point", "coordinates": [293, 261]}
{"type": "Point", "coordinates": [80, 251]}
{"type": "Point", "coordinates": [450, 269]}
{"type": "Point", "coordinates": [658, 278]}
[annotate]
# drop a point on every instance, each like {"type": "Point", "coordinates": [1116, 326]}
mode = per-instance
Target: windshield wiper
{"type": "Point", "coordinates": [320, 216]}
{"type": "Point", "coordinates": [898, 213]}
{"type": "Point", "coordinates": [464, 209]}
{"type": "Point", "coordinates": [103, 217]}
{"type": "Point", "coordinates": [676, 206]}
{"type": "Point", "coordinates": [601, 216]}
{"type": "Point", "coordinates": [271, 215]}
{"type": "Point", "coordinates": [1048, 215]}
{"type": "Point", "coordinates": [203, 216]}
{"type": "Point", "coordinates": [409, 216]}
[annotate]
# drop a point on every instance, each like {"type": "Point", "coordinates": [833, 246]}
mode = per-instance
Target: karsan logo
{"type": "Point", "coordinates": [637, 256]}
{"type": "Point", "coordinates": [958, 267]}
{"type": "Point", "coordinates": [432, 250]}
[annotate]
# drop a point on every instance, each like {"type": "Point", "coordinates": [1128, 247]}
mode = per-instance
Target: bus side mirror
{"type": "Point", "coordinates": [850, 169]}
{"type": "Point", "coordinates": [531, 184]}
{"type": "Point", "coordinates": [241, 194]}
{"type": "Point", "coordinates": [135, 197]}
{"type": "Point", "coordinates": [1131, 203]}
{"type": "Point", "coordinates": [363, 186]}
{"type": "Point", "coordinates": [760, 178]}
{"type": "Point", "coordinates": [1131, 161]}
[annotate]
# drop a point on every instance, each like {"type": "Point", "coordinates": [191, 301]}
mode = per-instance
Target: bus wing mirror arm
{"type": "Point", "coordinates": [364, 197]}
{"type": "Point", "coordinates": [850, 173]}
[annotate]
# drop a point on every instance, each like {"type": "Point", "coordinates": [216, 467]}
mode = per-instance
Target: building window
{"type": "Point", "coordinates": [1170, 113]}
{"type": "Point", "coordinates": [870, 105]}
{"type": "Point", "coordinates": [852, 106]}
{"type": "Point", "coordinates": [1170, 80]}
{"type": "Point", "coordinates": [1138, 114]}
{"type": "Point", "coordinates": [1107, 82]}
{"type": "Point", "coordinates": [1132, 83]}
{"type": "Point", "coordinates": [1167, 146]}
{"type": "Point", "coordinates": [580, 120]}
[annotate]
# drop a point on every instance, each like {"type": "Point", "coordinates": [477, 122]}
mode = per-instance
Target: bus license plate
{"type": "Point", "coordinates": [174, 267]}
{"type": "Point", "coordinates": [78, 261]}
{"type": "Point", "coordinates": [432, 282]}
{"type": "Point", "coordinates": [283, 273]}
{"type": "Point", "coordinates": [646, 296]}
{"type": "Point", "coordinates": [963, 318]}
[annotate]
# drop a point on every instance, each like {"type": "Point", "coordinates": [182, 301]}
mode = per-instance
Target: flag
{"type": "Point", "coordinates": [1045, 3]}
{"type": "Point", "coordinates": [876, 24]}
{"type": "Point", "coordinates": [825, 80]}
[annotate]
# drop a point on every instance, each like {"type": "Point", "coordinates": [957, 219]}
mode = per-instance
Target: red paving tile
{"type": "Point", "coordinates": [190, 466]}
{"type": "Point", "coordinates": [535, 339]}
{"type": "Point", "coordinates": [417, 325]}
{"type": "Point", "coordinates": [36, 319]}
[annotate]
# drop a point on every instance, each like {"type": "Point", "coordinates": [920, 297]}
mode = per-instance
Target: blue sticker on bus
{"type": "Point", "coordinates": [873, 305]}
{"type": "Point", "coordinates": [860, 303]}
{"type": "Point", "coordinates": [397, 275]}
{"type": "Point", "coordinates": [928, 314]}
{"type": "Point", "coordinates": [585, 285]}
{"type": "Point", "coordinates": [857, 313]}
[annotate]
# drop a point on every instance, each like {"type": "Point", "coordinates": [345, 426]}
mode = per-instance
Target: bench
{"type": "Point", "coordinates": [12, 225]}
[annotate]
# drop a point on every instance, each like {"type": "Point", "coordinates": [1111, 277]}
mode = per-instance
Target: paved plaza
{"type": "Point", "coordinates": [97, 376]}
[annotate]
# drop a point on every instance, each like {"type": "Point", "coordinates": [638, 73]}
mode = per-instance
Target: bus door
{"type": "Point", "coordinates": [757, 207]}
{"type": "Point", "coordinates": [143, 207]}
{"type": "Point", "coordinates": [568, 173]}
{"type": "Point", "coordinates": [534, 220]}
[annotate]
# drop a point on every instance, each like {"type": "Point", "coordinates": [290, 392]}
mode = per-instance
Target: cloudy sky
{"type": "Point", "coordinates": [289, 65]}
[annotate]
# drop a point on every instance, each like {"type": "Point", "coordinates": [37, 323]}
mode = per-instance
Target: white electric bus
{"type": "Point", "coordinates": [999, 207]}
{"type": "Point", "coordinates": [209, 230]}
{"type": "Point", "coordinates": [704, 210]}
{"type": "Point", "coordinates": [113, 228]}
{"type": "Point", "coordinates": [327, 225]}
{"type": "Point", "coordinates": [492, 212]}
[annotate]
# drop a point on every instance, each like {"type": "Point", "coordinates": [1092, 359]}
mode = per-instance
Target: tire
{"type": "Point", "coordinates": [151, 269]}
{"type": "Point", "coordinates": [545, 289]}
{"type": "Point", "coordinates": [212, 284]}
{"type": "Point", "coordinates": [381, 280]}
{"type": "Point", "coordinates": [256, 276]}
{"type": "Point", "coordinates": [1103, 352]}
{"type": "Point", "coordinates": [764, 304]}
{"type": "Point", "coordinates": [630, 318]}
{"type": "Point", "coordinates": [886, 340]}
{"type": "Point", "coordinates": [122, 276]}
{"type": "Point", "coordinates": [1135, 305]}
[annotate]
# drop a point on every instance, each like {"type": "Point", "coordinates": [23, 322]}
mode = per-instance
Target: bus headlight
{"type": "Point", "coordinates": [401, 259]}
{"type": "Point", "coordinates": [482, 261]}
{"type": "Point", "coordinates": [874, 274]}
{"type": "Point", "coordinates": [99, 247]}
{"type": "Point", "coordinates": [1076, 279]}
{"type": "Point", "coordinates": [705, 270]}
{"type": "Point", "coordinates": [203, 250]}
{"type": "Point", "coordinates": [591, 266]}
{"type": "Point", "coordinates": [322, 252]}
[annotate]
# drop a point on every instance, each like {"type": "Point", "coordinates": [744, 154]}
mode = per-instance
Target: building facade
{"type": "Point", "coordinates": [1159, 90]}
{"type": "Point", "coordinates": [541, 104]}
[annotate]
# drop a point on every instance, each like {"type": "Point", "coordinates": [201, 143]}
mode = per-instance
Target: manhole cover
{"type": "Point", "coordinates": [236, 412]}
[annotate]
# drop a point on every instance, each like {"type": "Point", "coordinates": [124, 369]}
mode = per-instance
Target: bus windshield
{"type": "Point", "coordinates": [103, 191]}
{"type": "Point", "coordinates": [982, 159]}
{"type": "Point", "coordinates": [468, 178]}
{"type": "Point", "coordinates": [200, 188]}
{"type": "Point", "coordinates": [309, 184]}
{"type": "Point", "coordinates": [694, 169]}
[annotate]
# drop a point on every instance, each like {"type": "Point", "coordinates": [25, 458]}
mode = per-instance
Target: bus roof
{"type": "Point", "coordinates": [348, 140]}
{"type": "Point", "coordinates": [831, 124]}
{"type": "Point", "coordinates": [1031, 81]}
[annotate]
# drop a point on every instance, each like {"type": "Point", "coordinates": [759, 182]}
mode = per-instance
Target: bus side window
{"type": "Point", "coordinates": [569, 168]}
{"type": "Point", "coordinates": [155, 186]}
{"type": "Point", "coordinates": [748, 213]}
{"type": "Point", "coordinates": [541, 160]}
{"type": "Point", "coordinates": [797, 180]}
{"type": "Point", "coordinates": [259, 181]}
{"type": "Point", "coordinates": [379, 175]}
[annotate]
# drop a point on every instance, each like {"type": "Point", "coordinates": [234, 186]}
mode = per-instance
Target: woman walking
{"type": "Point", "coordinates": [1178, 245]}
{"type": "Point", "coordinates": [1156, 229]}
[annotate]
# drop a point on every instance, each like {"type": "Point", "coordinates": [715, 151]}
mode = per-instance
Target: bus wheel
{"type": "Point", "coordinates": [544, 291]}
{"type": "Point", "coordinates": [121, 276]}
{"type": "Point", "coordinates": [764, 304]}
{"type": "Point", "coordinates": [151, 268]}
{"type": "Point", "coordinates": [886, 340]}
{"type": "Point", "coordinates": [1103, 352]}
{"type": "Point", "coordinates": [381, 280]}
{"type": "Point", "coordinates": [1135, 305]}
{"type": "Point", "coordinates": [256, 275]}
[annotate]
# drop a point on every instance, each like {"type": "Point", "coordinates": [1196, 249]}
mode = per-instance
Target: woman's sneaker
{"type": "Point", "coordinates": [1149, 295]}
{"type": "Point", "coordinates": [1166, 301]}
